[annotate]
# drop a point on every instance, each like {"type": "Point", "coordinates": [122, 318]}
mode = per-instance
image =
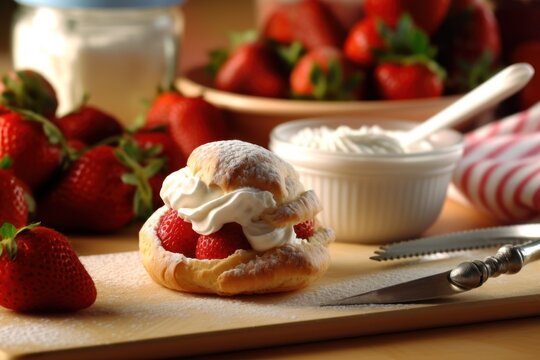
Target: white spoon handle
{"type": "Point", "coordinates": [489, 93]}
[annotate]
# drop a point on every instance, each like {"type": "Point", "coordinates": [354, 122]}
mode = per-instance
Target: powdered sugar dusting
{"type": "Point", "coordinates": [130, 306]}
{"type": "Point", "coordinates": [233, 164]}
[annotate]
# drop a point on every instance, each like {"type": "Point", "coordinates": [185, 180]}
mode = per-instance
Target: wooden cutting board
{"type": "Point", "coordinates": [135, 318]}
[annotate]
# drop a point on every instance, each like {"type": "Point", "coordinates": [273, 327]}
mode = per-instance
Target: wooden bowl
{"type": "Point", "coordinates": [252, 118]}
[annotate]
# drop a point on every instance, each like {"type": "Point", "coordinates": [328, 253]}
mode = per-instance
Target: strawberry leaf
{"type": "Point", "coordinates": [332, 84]}
{"type": "Point", "coordinates": [30, 202]}
{"type": "Point", "coordinates": [8, 230]}
{"type": "Point", "coordinates": [130, 178]}
{"type": "Point", "coordinates": [138, 205]}
{"type": "Point", "coordinates": [217, 59]}
{"type": "Point", "coordinates": [12, 92]}
{"type": "Point", "coordinates": [132, 156]}
{"type": "Point", "coordinates": [403, 41]}
{"type": "Point", "coordinates": [132, 149]}
{"type": "Point", "coordinates": [239, 38]}
{"type": "Point", "coordinates": [123, 158]}
{"type": "Point", "coordinates": [334, 76]}
{"type": "Point", "coordinates": [318, 81]}
{"type": "Point", "coordinates": [472, 74]}
{"type": "Point", "coordinates": [8, 233]}
{"type": "Point", "coordinates": [28, 91]}
{"type": "Point", "coordinates": [290, 54]}
{"type": "Point", "coordinates": [138, 123]}
{"type": "Point", "coordinates": [53, 133]}
{"type": "Point", "coordinates": [153, 167]}
{"type": "Point", "coordinates": [153, 151]}
{"type": "Point", "coordinates": [6, 162]}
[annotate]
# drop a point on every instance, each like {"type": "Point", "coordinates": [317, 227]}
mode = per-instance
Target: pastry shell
{"type": "Point", "coordinates": [288, 267]}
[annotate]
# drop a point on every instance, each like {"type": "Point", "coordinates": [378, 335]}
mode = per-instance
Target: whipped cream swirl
{"type": "Point", "coordinates": [364, 140]}
{"type": "Point", "coordinates": [208, 208]}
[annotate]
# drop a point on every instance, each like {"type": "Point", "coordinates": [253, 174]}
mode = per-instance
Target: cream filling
{"type": "Point", "coordinates": [208, 208]}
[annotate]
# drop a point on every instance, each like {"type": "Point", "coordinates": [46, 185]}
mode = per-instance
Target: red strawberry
{"type": "Point", "coordinates": [102, 191]}
{"type": "Point", "coordinates": [469, 44]}
{"type": "Point", "coordinates": [362, 40]}
{"type": "Point", "coordinates": [35, 156]}
{"type": "Point", "coordinates": [40, 272]}
{"type": "Point", "coordinates": [407, 81]}
{"type": "Point", "coordinates": [311, 22]}
{"type": "Point", "coordinates": [406, 68]}
{"type": "Point", "coordinates": [29, 90]}
{"type": "Point", "coordinates": [89, 125]}
{"type": "Point", "coordinates": [279, 26]}
{"type": "Point", "coordinates": [195, 122]}
{"type": "Point", "coordinates": [252, 69]}
{"type": "Point", "coordinates": [315, 25]}
{"type": "Point", "coordinates": [305, 229]}
{"type": "Point", "coordinates": [177, 235]}
{"type": "Point", "coordinates": [323, 73]}
{"type": "Point", "coordinates": [428, 15]}
{"type": "Point", "coordinates": [169, 149]}
{"type": "Point", "coordinates": [91, 195]}
{"type": "Point", "coordinates": [160, 111]}
{"type": "Point", "coordinates": [13, 196]}
{"type": "Point", "coordinates": [473, 31]}
{"type": "Point", "coordinates": [222, 243]}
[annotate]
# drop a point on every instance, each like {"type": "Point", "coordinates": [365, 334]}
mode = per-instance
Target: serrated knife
{"type": "Point", "coordinates": [466, 276]}
{"type": "Point", "coordinates": [458, 241]}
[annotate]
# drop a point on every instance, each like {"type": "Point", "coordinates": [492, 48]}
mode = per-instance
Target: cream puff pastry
{"type": "Point", "coordinates": [237, 182]}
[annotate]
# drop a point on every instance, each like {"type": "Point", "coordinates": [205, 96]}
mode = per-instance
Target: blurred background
{"type": "Point", "coordinates": [206, 24]}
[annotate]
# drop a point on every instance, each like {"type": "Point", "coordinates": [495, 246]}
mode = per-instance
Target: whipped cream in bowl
{"type": "Point", "coordinates": [367, 139]}
{"type": "Point", "coordinates": [208, 208]}
{"type": "Point", "coordinates": [372, 189]}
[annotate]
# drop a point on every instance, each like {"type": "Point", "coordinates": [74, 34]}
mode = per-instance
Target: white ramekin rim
{"type": "Point", "coordinates": [451, 149]}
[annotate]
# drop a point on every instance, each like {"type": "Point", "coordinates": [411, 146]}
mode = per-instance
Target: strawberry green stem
{"type": "Point", "coordinates": [8, 233]}
{"type": "Point", "coordinates": [53, 133]}
{"type": "Point", "coordinates": [6, 162]}
{"type": "Point", "coordinates": [130, 154]}
{"type": "Point", "coordinates": [407, 44]}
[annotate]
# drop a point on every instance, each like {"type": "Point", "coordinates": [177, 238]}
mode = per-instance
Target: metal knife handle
{"type": "Point", "coordinates": [509, 259]}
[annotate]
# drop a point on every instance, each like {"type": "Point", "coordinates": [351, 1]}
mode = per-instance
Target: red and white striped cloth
{"type": "Point", "coordinates": [500, 169]}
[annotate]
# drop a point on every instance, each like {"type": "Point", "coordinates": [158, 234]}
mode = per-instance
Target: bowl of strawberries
{"type": "Point", "coordinates": [395, 59]}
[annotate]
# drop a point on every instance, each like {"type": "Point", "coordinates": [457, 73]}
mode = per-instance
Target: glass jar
{"type": "Point", "coordinates": [116, 51]}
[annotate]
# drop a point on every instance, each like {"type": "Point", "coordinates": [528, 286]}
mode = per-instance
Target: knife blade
{"type": "Point", "coordinates": [458, 241]}
{"type": "Point", "coordinates": [509, 259]}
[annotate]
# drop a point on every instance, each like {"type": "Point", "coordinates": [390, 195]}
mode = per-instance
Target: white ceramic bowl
{"type": "Point", "coordinates": [252, 118]}
{"type": "Point", "coordinates": [373, 198]}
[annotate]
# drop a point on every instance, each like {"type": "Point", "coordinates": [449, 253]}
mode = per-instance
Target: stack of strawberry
{"type": "Point", "coordinates": [177, 235]}
{"type": "Point", "coordinates": [84, 170]}
{"type": "Point", "coordinates": [79, 172]}
{"type": "Point", "coordinates": [399, 49]}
